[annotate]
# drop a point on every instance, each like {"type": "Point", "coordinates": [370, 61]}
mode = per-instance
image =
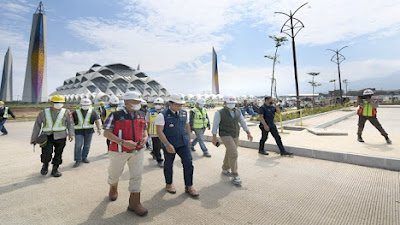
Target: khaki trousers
{"type": "Point", "coordinates": [231, 154]}
{"type": "Point", "coordinates": [135, 164]}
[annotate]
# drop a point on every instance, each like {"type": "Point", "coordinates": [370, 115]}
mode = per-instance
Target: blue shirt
{"type": "Point", "coordinates": [269, 114]}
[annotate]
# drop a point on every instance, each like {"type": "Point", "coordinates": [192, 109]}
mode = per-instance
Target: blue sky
{"type": "Point", "coordinates": [172, 41]}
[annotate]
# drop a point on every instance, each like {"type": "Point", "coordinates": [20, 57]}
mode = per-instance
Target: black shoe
{"type": "Point", "coordinates": [55, 172]}
{"type": "Point", "coordinates": [152, 154]}
{"type": "Point", "coordinates": [388, 140]}
{"type": "Point", "coordinates": [263, 153]}
{"type": "Point", "coordinates": [286, 153]}
{"type": "Point", "coordinates": [77, 163]}
{"type": "Point", "coordinates": [207, 155]}
{"type": "Point", "coordinates": [45, 169]}
{"type": "Point", "coordinates": [193, 150]}
{"type": "Point", "coordinates": [85, 161]}
{"type": "Point", "coordinates": [359, 139]}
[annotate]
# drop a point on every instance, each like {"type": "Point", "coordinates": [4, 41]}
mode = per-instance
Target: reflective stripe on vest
{"type": "Point", "coordinates": [152, 120]}
{"type": "Point", "coordinates": [84, 124]}
{"type": "Point", "coordinates": [5, 115]}
{"type": "Point", "coordinates": [58, 125]}
{"type": "Point", "coordinates": [200, 118]}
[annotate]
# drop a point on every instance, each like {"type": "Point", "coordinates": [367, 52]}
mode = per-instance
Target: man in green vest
{"type": "Point", "coordinates": [5, 113]}
{"type": "Point", "coordinates": [56, 123]}
{"type": "Point", "coordinates": [367, 110]}
{"type": "Point", "coordinates": [198, 123]}
{"type": "Point", "coordinates": [102, 111]}
{"type": "Point", "coordinates": [111, 107]}
{"type": "Point", "coordinates": [151, 116]}
{"type": "Point", "coordinates": [227, 121]}
{"type": "Point", "coordinates": [84, 119]}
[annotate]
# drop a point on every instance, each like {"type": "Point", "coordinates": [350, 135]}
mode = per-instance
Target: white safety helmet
{"type": "Point", "coordinates": [144, 102]}
{"type": "Point", "coordinates": [132, 95]}
{"type": "Point", "coordinates": [114, 100]}
{"type": "Point", "coordinates": [201, 101]}
{"type": "Point", "coordinates": [121, 102]}
{"type": "Point", "coordinates": [368, 92]}
{"type": "Point", "coordinates": [158, 101]}
{"type": "Point", "coordinates": [85, 101]}
{"type": "Point", "coordinates": [230, 99]}
{"type": "Point", "coordinates": [177, 98]}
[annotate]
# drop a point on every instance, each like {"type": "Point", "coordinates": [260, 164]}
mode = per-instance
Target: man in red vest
{"type": "Point", "coordinates": [127, 131]}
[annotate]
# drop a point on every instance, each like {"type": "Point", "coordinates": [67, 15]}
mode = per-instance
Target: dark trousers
{"type": "Point", "coordinates": [186, 158]}
{"type": "Point", "coordinates": [157, 148]}
{"type": "Point", "coordinates": [2, 127]}
{"type": "Point", "coordinates": [53, 145]}
{"type": "Point", "coordinates": [275, 134]}
{"type": "Point", "coordinates": [374, 121]}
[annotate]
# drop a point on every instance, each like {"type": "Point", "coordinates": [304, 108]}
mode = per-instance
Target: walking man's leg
{"type": "Point", "coordinates": [46, 155]}
{"type": "Point", "coordinates": [264, 137]}
{"type": "Point", "coordinates": [115, 169]}
{"type": "Point", "coordinates": [79, 140]}
{"type": "Point", "coordinates": [361, 124]}
{"type": "Point", "coordinates": [278, 140]}
{"type": "Point", "coordinates": [57, 160]}
{"type": "Point", "coordinates": [86, 147]}
{"type": "Point", "coordinates": [2, 127]}
{"type": "Point", "coordinates": [200, 138]}
{"type": "Point", "coordinates": [157, 150]}
{"type": "Point", "coordinates": [374, 121]}
{"type": "Point", "coordinates": [232, 156]}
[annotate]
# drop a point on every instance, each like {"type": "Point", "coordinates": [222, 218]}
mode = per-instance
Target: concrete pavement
{"type": "Point", "coordinates": [275, 190]}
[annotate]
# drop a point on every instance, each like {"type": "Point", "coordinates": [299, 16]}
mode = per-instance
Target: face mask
{"type": "Point", "coordinates": [1, 106]}
{"type": "Point", "coordinates": [136, 107]}
{"type": "Point", "coordinates": [58, 105]}
{"type": "Point", "coordinates": [85, 107]}
{"type": "Point", "coordinates": [230, 105]}
{"type": "Point", "coordinates": [201, 105]}
{"type": "Point", "coordinates": [157, 106]}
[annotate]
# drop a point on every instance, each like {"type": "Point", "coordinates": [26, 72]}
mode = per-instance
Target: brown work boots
{"type": "Point", "coordinates": [113, 194]}
{"type": "Point", "coordinates": [135, 205]}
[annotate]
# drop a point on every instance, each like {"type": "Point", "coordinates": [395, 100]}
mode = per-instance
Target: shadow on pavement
{"type": "Point", "coordinates": [267, 161]}
{"type": "Point", "coordinates": [211, 195]}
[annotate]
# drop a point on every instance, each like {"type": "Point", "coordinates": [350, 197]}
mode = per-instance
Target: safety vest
{"type": "Point", "coordinates": [366, 109]}
{"type": "Point", "coordinates": [110, 110]}
{"type": "Point", "coordinates": [5, 115]}
{"type": "Point", "coordinates": [152, 121]}
{"type": "Point", "coordinates": [84, 124]}
{"type": "Point", "coordinates": [200, 119]}
{"type": "Point", "coordinates": [58, 125]}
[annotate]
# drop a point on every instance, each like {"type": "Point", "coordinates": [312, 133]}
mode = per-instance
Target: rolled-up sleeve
{"type": "Point", "coordinates": [216, 121]}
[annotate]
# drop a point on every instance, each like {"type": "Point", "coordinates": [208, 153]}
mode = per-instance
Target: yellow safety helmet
{"type": "Point", "coordinates": [57, 98]}
{"type": "Point", "coordinates": [101, 103]}
{"type": "Point", "coordinates": [1, 103]}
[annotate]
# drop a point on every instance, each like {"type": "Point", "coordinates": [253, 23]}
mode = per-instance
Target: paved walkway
{"type": "Point", "coordinates": [275, 190]}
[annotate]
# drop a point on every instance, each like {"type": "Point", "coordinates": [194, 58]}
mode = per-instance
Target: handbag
{"type": "Point", "coordinates": [41, 140]}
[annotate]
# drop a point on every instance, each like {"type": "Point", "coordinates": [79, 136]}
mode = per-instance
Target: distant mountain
{"type": "Point", "coordinates": [391, 82]}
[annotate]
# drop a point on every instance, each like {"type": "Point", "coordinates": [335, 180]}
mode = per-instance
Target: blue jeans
{"type": "Point", "coordinates": [2, 127]}
{"type": "Point", "coordinates": [186, 158]}
{"type": "Point", "coordinates": [82, 145]}
{"type": "Point", "coordinates": [200, 138]}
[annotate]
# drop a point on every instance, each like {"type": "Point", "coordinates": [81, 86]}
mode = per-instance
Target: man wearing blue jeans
{"type": "Point", "coordinates": [198, 123]}
{"type": "Point", "coordinates": [84, 119]}
{"type": "Point", "coordinates": [173, 130]}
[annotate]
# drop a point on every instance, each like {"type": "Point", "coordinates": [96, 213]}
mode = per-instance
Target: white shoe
{"type": "Point", "coordinates": [226, 172]}
{"type": "Point", "coordinates": [236, 180]}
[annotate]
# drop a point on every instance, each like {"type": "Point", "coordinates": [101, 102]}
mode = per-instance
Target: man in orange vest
{"type": "Point", "coordinates": [367, 111]}
{"type": "Point", "coordinates": [127, 131]}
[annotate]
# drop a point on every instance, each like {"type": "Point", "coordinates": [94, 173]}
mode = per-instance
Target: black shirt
{"type": "Point", "coordinates": [94, 117]}
{"type": "Point", "coordinates": [269, 114]}
{"type": "Point", "coordinates": [9, 113]}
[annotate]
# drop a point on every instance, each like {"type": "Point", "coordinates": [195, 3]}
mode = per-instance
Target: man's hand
{"type": "Point", "coordinates": [99, 131]}
{"type": "Point", "coordinates": [249, 137]}
{"type": "Point", "coordinates": [170, 149]}
{"type": "Point", "coordinates": [266, 128]}
{"type": "Point", "coordinates": [33, 140]}
{"type": "Point", "coordinates": [209, 128]}
{"type": "Point", "coordinates": [129, 144]}
{"type": "Point", "coordinates": [214, 140]}
{"type": "Point", "coordinates": [70, 138]}
{"type": "Point", "coordinates": [143, 141]}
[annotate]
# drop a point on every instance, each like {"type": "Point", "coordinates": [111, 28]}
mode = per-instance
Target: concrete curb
{"type": "Point", "coordinates": [349, 158]}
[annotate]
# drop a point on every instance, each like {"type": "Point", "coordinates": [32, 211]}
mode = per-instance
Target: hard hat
{"type": "Point", "coordinates": [101, 103]}
{"type": "Point", "coordinates": [143, 102]}
{"type": "Point", "coordinates": [201, 101]}
{"type": "Point", "coordinates": [85, 101]}
{"type": "Point", "coordinates": [132, 95]}
{"type": "Point", "coordinates": [368, 92]}
{"type": "Point", "coordinates": [1, 103]}
{"type": "Point", "coordinates": [121, 102]}
{"type": "Point", "coordinates": [230, 99]}
{"type": "Point", "coordinates": [57, 98]}
{"type": "Point", "coordinates": [158, 101]}
{"type": "Point", "coordinates": [114, 100]}
{"type": "Point", "coordinates": [177, 98]}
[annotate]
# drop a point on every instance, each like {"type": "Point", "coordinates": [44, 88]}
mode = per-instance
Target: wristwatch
{"type": "Point", "coordinates": [121, 142]}
{"type": "Point", "coordinates": [166, 144]}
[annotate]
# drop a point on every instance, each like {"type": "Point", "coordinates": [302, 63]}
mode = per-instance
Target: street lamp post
{"type": "Point", "coordinates": [338, 58]}
{"type": "Point", "coordinates": [297, 25]}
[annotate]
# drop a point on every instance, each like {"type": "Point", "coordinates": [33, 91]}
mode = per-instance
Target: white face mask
{"type": "Point", "coordinates": [158, 106]}
{"type": "Point", "coordinates": [58, 105]}
{"type": "Point", "coordinates": [85, 107]}
{"type": "Point", "coordinates": [231, 105]}
{"type": "Point", "coordinates": [201, 105]}
{"type": "Point", "coordinates": [136, 107]}
{"type": "Point", "coordinates": [1, 106]}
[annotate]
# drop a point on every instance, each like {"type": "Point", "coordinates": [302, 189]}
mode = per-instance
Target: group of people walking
{"type": "Point", "coordinates": [169, 127]}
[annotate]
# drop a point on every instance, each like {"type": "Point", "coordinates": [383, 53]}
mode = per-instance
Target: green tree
{"type": "Point", "coordinates": [279, 41]}
{"type": "Point", "coordinates": [313, 84]}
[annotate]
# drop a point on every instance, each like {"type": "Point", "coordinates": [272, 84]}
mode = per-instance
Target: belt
{"type": "Point", "coordinates": [133, 151]}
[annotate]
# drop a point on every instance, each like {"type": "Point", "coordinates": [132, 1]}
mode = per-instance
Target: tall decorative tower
{"type": "Point", "coordinates": [35, 86]}
{"type": "Point", "coordinates": [215, 82]}
{"type": "Point", "coordinates": [6, 88]}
